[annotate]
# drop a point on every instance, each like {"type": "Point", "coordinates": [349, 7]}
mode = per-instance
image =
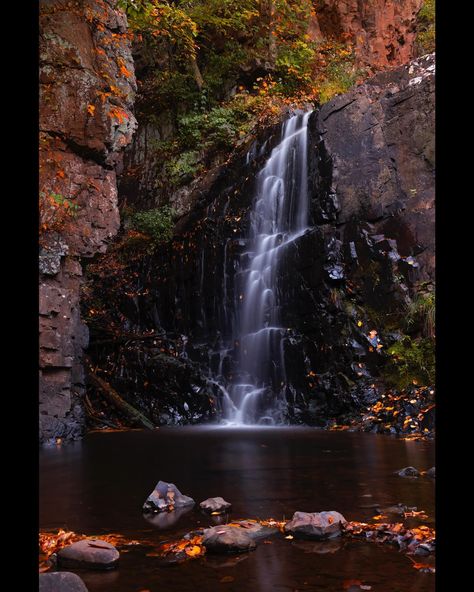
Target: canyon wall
{"type": "Point", "coordinates": [383, 31]}
{"type": "Point", "coordinates": [87, 89]}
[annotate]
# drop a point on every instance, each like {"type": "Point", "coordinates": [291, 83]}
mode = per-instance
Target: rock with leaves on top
{"type": "Point", "coordinates": [165, 498]}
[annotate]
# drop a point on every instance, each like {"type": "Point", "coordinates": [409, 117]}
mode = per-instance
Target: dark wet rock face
{"type": "Point", "coordinates": [63, 581]}
{"type": "Point", "coordinates": [316, 525]}
{"type": "Point", "coordinates": [215, 504]}
{"type": "Point", "coordinates": [89, 553]}
{"type": "Point", "coordinates": [343, 286]}
{"type": "Point", "coordinates": [165, 498]}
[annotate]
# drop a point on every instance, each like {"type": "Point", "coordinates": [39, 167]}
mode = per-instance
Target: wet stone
{"type": "Point", "coordinates": [166, 497]}
{"type": "Point", "coordinates": [215, 504]}
{"type": "Point", "coordinates": [89, 553]}
{"type": "Point", "coordinates": [227, 539]}
{"type": "Point", "coordinates": [255, 530]}
{"type": "Point", "coordinates": [316, 525]}
{"type": "Point", "coordinates": [61, 581]}
{"type": "Point", "coordinates": [431, 472]}
{"type": "Point", "coordinates": [408, 472]}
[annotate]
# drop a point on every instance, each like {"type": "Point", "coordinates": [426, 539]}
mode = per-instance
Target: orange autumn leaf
{"type": "Point", "coordinates": [90, 109]}
{"type": "Point", "coordinates": [125, 72]}
{"type": "Point", "coordinates": [193, 551]}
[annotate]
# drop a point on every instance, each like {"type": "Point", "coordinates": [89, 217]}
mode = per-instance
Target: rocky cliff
{"type": "Point", "coordinates": [87, 88]}
{"type": "Point", "coordinates": [383, 31]}
{"type": "Point", "coordinates": [382, 35]}
{"type": "Point", "coordinates": [345, 284]}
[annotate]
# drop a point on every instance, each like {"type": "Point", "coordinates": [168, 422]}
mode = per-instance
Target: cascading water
{"type": "Point", "coordinates": [279, 215]}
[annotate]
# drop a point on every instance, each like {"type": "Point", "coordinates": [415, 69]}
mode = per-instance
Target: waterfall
{"type": "Point", "coordinates": [279, 215]}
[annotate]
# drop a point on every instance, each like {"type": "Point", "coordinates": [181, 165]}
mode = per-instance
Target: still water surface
{"type": "Point", "coordinates": [99, 485]}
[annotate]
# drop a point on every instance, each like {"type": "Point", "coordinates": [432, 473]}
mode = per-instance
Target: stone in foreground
{"type": "Point", "coordinates": [89, 553]}
{"type": "Point", "coordinates": [227, 539]}
{"type": "Point", "coordinates": [165, 498]}
{"type": "Point", "coordinates": [61, 581]}
{"type": "Point", "coordinates": [255, 530]}
{"type": "Point", "coordinates": [431, 472]}
{"type": "Point", "coordinates": [215, 504]}
{"type": "Point", "coordinates": [316, 525]}
{"type": "Point", "coordinates": [408, 472]}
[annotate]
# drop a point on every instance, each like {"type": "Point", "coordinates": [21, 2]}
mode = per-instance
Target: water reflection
{"type": "Point", "coordinates": [165, 520]}
{"type": "Point", "coordinates": [100, 486]}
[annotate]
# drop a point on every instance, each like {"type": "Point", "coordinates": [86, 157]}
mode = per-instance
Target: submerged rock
{"type": "Point", "coordinates": [61, 581]}
{"type": "Point", "coordinates": [408, 472]}
{"type": "Point", "coordinates": [89, 553]}
{"type": "Point", "coordinates": [431, 472]}
{"type": "Point", "coordinates": [227, 539]}
{"type": "Point", "coordinates": [317, 525]}
{"type": "Point", "coordinates": [215, 504]}
{"type": "Point", "coordinates": [165, 498]}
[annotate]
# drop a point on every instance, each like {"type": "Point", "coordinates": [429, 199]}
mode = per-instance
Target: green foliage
{"type": "Point", "coordinates": [294, 66]}
{"type": "Point", "coordinates": [60, 200]}
{"type": "Point", "coordinates": [196, 53]}
{"type": "Point", "coordinates": [183, 168]}
{"type": "Point", "coordinates": [339, 73]}
{"type": "Point", "coordinates": [421, 314]}
{"type": "Point", "coordinates": [162, 21]}
{"type": "Point", "coordinates": [226, 18]}
{"type": "Point", "coordinates": [426, 37]}
{"type": "Point", "coordinates": [412, 361]}
{"type": "Point", "coordinates": [215, 129]}
{"type": "Point", "coordinates": [55, 211]}
{"type": "Point", "coordinates": [157, 224]}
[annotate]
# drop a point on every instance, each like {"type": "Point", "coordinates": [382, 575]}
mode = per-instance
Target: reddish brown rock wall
{"type": "Point", "coordinates": [87, 89]}
{"type": "Point", "coordinates": [383, 31]}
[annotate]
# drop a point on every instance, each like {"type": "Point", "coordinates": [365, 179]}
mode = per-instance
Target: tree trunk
{"type": "Point", "coordinates": [113, 397]}
{"type": "Point", "coordinates": [267, 15]}
{"type": "Point", "coordinates": [197, 73]}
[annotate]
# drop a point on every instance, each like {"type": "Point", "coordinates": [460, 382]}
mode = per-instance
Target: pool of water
{"type": "Point", "coordinates": [99, 486]}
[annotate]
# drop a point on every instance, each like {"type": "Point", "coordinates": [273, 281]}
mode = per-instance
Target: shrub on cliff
{"type": "Point", "coordinates": [426, 25]}
{"type": "Point", "coordinates": [157, 224]}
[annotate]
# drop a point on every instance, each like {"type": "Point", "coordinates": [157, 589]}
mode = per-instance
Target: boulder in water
{"type": "Point", "coordinates": [227, 539]}
{"type": "Point", "coordinates": [316, 525]}
{"type": "Point", "coordinates": [165, 498]}
{"type": "Point", "coordinates": [215, 504]}
{"type": "Point", "coordinates": [431, 472]}
{"type": "Point", "coordinates": [254, 529]}
{"type": "Point", "coordinates": [408, 472]}
{"type": "Point", "coordinates": [61, 581]}
{"type": "Point", "coordinates": [89, 553]}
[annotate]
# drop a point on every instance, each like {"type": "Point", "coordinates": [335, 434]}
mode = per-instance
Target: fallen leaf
{"type": "Point", "coordinates": [289, 537]}
{"type": "Point", "coordinates": [193, 551]}
{"type": "Point", "coordinates": [226, 579]}
{"type": "Point", "coordinates": [95, 546]}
